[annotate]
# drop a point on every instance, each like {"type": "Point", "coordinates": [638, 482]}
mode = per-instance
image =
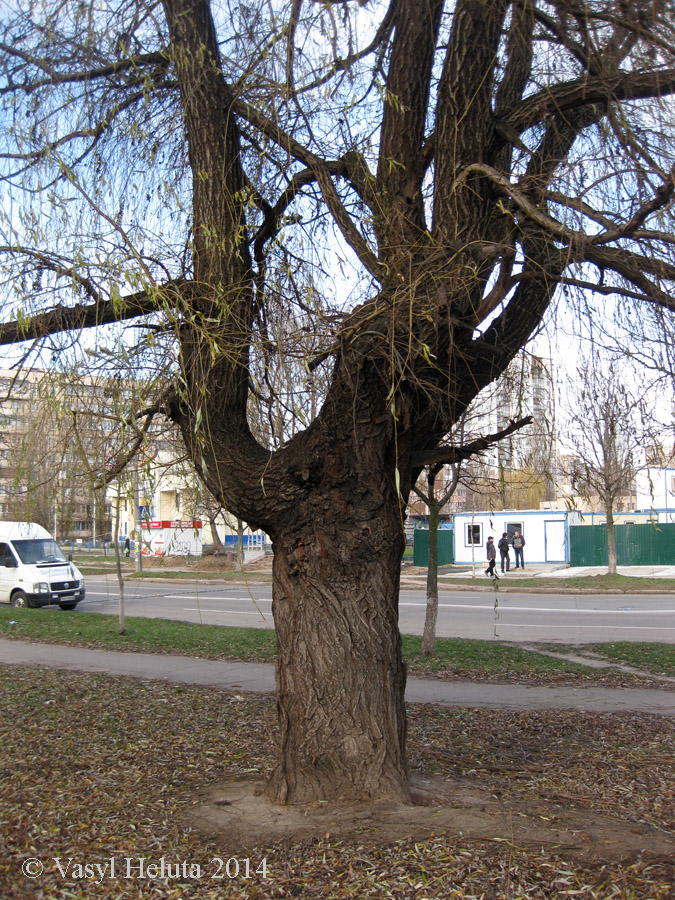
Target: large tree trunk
{"type": "Point", "coordinates": [340, 676]}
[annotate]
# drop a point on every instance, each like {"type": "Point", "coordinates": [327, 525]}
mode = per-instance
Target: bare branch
{"type": "Point", "coordinates": [321, 171]}
{"type": "Point", "coordinates": [449, 455]}
{"type": "Point", "coordinates": [61, 318]}
{"type": "Point", "coordinates": [589, 91]}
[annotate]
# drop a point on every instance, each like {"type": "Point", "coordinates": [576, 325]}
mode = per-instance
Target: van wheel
{"type": "Point", "coordinates": [20, 600]}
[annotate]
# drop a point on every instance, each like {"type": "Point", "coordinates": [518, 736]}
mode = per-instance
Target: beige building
{"type": "Point", "coordinates": [59, 433]}
{"type": "Point", "coordinates": [48, 445]}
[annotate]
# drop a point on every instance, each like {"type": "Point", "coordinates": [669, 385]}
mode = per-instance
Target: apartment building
{"type": "Point", "coordinates": [55, 432]}
{"type": "Point", "coordinates": [522, 470]}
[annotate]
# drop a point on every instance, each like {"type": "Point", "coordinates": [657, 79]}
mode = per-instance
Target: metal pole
{"type": "Point", "coordinates": [135, 490]}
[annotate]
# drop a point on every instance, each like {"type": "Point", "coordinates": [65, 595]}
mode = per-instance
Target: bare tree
{"type": "Point", "coordinates": [181, 175]}
{"type": "Point", "coordinates": [435, 503]}
{"type": "Point", "coordinates": [610, 424]}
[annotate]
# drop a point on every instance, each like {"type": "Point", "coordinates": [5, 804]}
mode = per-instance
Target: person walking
{"type": "Point", "coordinates": [491, 552]}
{"type": "Point", "coordinates": [503, 547]}
{"type": "Point", "coordinates": [518, 544]}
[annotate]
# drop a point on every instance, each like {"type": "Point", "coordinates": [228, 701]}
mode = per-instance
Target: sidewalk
{"type": "Point", "coordinates": [538, 570]}
{"type": "Point", "coordinates": [259, 678]}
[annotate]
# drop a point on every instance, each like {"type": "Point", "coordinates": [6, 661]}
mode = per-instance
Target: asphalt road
{"type": "Point", "coordinates": [564, 618]}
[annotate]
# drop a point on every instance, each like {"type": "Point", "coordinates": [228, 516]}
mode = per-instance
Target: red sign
{"type": "Point", "coordinates": [165, 523]}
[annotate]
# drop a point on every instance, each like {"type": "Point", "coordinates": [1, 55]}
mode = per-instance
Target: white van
{"type": "Point", "coordinates": [34, 571]}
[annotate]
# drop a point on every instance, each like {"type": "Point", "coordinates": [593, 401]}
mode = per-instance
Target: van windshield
{"type": "Point", "coordinates": [39, 551]}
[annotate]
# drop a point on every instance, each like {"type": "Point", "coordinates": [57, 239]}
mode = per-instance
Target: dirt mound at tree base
{"type": "Point", "coordinates": [235, 812]}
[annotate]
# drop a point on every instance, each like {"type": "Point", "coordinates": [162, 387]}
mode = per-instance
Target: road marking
{"type": "Point", "coordinates": [504, 605]}
{"type": "Point", "coordinates": [213, 599]}
{"type": "Point", "coordinates": [222, 612]}
{"type": "Point", "coordinates": [659, 628]}
{"type": "Point", "coordinates": [545, 609]}
{"type": "Point", "coordinates": [155, 597]}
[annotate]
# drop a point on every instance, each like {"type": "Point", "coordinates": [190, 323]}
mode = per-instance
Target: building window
{"type": "Point", "coordinates": [473, 535]}
{"type": "Point", "coordinates": [511, 528]}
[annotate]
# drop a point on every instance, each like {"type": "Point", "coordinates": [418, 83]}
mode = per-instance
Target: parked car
{"type": "Point", "coordinates": [33, 570]}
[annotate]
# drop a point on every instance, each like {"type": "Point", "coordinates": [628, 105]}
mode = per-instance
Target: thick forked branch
{"type": "Point", "coordinates": [321, 173]}
{"type": "Point", "coordinates": [464, 116]}
{"type": "Point", "coordinates": [213, 144]}
{"type": "Point", "coordinates": [406, 98]}
{"type": "Point", "coordinates": [220, 250]}
{"type": "Point", "coordinates": [589, 91]}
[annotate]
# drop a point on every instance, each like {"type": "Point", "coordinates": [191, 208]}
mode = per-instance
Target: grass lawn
{"type": "Point", "coordinates": [656, 658]}
{"type": "Point", "coordinates": [454, 657]}
{"type": "Point", "coordinates": [205, 569]}
{"type": "Point", "coordinates": [99, 768]}
{"type": "Point", "coordinates": [142, 635]}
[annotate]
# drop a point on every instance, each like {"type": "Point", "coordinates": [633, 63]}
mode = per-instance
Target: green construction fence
{"type": "Point", "coordinates": [446, 547]}
{"type": "Point", "coordinates": [651, 544]}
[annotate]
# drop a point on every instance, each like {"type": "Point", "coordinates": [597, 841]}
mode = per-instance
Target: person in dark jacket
{"type": "Point", "coordinates": [518, 544]}
{"type": "Point", "coordinates": [503, 547]}
{"type": "Point", "coordinates": [491, 552]}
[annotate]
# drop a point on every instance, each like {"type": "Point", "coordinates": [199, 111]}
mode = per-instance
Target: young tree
{"type": "Point", "coordinates": [435, 503]}
{"type": "Point", "coordinates": [610, 425]}
{"type": "Point", "coordinates": [196, 167]}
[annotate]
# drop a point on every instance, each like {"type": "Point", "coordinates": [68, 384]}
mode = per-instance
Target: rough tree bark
{"type": "Point", "coordinates": [340, 676]}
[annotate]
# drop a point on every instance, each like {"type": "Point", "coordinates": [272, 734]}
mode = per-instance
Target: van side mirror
{"type": "Point", "coordinates": [10, 562]}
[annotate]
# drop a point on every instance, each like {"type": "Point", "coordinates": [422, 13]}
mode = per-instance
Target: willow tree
{"type": "Point", "coordinates": [207, 171]}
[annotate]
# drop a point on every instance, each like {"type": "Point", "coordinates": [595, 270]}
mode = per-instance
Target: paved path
{"type": "Point", "coordinates": [259, 677]}
{"type": "Point", "coordinates": [540, 570]}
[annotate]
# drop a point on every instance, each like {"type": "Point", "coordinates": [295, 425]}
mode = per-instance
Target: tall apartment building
{"type": "Point", "coordinates": [522, 470]}
{"type": "Point", "coordinates": [49, 446]}
{"type": "Point", "coordinates": [59, 433]}
{"type": "Point", "coordinates": [526, 388]}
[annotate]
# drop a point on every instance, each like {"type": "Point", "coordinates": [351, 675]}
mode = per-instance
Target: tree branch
{"type": "Point", "coordinates": [588, 91]}
{"type": "Point", "coordinates": [53, 77]}
{"type": "Point", "coordinates": [662, 195]}
{"type": "Point", "coordinates": [74, 318]}
{"type": "Point", "coordinates": [321, 170]}
{"type": "Point", "coordinates": [450, 455]}
{"type": "Point", "coordinates": [406, 98]}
